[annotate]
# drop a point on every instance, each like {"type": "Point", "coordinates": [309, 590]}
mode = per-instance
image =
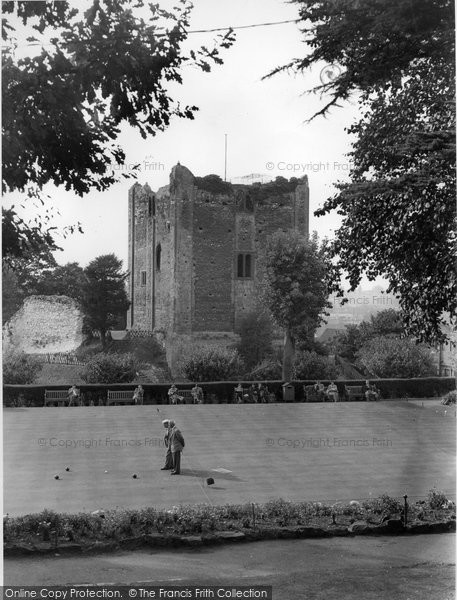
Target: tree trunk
{"type": "Point", "coordinates": [288, 356]}
{"type": "Point", "coordinates": [103, 338]}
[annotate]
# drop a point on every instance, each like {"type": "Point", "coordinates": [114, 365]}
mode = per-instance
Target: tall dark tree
{"type": "Point", "coordinates": [399, 207]}
{"type": "Point", "coordinates": [63, 107]}
{"type": "Point", "coordinates": [104, 297]}
{"type": "Point", "coordinates": [63, 280]}
{"type": "Point", "coordinates": [296, 289]}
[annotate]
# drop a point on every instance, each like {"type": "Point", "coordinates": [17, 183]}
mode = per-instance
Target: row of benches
{"type": "Point", "coordinates": [352, 392]}
{"type": "Point", "coordinates": [60, 397]}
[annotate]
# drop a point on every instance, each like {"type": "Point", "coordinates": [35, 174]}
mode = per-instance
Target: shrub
{"type": "Point", "coordinates": [267, 369]}
{"type": "Point", "coordinates": [310, 365]}
{"type": "Point", "coordinates": [383, 504]}
{"type": "Point", "coordinates": [110, 368]}
{"type": "Point", "coordinates": [437, 499]}
{"type": "Point", "coordinates": [20, 368]}
{"type": "Point", "coordinates": [395, 357]}
{"type": "Point", "coordinates": [256, 336]}
{"type": "Point", "coordinates": [212, 364]}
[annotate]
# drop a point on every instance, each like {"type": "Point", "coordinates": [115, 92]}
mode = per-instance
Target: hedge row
{"type": "Point", "coordinates": [223, 391]}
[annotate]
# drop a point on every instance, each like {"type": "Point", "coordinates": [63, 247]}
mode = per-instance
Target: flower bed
{"type": "Point", "coordinates": [111, 529]}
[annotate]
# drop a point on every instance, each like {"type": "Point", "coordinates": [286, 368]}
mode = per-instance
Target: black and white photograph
{"type": "Point", "coordinates": [229, 299]}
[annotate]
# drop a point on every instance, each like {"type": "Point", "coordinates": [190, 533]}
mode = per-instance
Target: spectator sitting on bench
{"type": "Point", "coordinates": [197, 394]}
{"type": "Point", "coordinates": [74, 396]}
{"type": "Point", "coordinates": [371, 392]}
{"type": "Point", "coordinates": [254, 392]}
{"type": "Point", "coordinates": [138, 394]}
{"type": "Point", "coordinates": [173, 395]}
{"type": "Point", "coordinates": [332, 392]}
{"type": "Point", "coordinates": [239, 394]}
{"type": "Point", "coordinates": [319, 388]}
{"type": "Point", "coordinates": [263, 392]}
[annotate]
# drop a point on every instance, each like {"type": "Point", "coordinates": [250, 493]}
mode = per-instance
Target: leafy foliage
{"type": "Point", "coordinates": [103, 295]}
{"type": "Point", "coordinates": [387, 322]}
{"type": "Point", "coordinates": [110, 368]}
{"type": "Point", "coordinates": [296, 289]}
{"type": "Point", "coordinates": [395, 357]}
{"type": "Point", "coordinates": [62, 280]}
{"type": "Point", "coordinates": [437, 499]}
{"type": "Point", "coordinates": [310, 365]}
{"type": "Point", "coordinates": [63, 107]}
{"type": "Point", "coordinates": [398, 208]}
{"type": "Point", "coordinates": [212, 364]}
{"type": "Point", "coordinates": [269, 369]}
{"type": "Point", "coordinates": [213, 184]}
{"type": "Point", "coordinates": [275, 189]}
{"type": "Point", "coordinates": [116, 524]}
{"type": "Point", "coordinates": [256, 336]}
{"type": "Point", "coordinates": [20, 368]}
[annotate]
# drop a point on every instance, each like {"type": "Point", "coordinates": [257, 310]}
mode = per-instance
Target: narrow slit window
{"type": "Point", "coordinates": [143, 277]}
{"type": "Point", "coordinates": [158, 256]}
{"type": "Point", "coordinates": [244, 266]}
{"type": "Point", "coordinates": [240, 265]}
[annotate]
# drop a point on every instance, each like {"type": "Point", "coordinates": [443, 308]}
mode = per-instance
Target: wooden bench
{"type": "Point", "coordinates": [244, 393]}
{"type": "Point", "coordinates": [355, 392]}
{"type": "Point", "coordinates": [186, 396]}
{"type": "Point", "coordinates": [58, 397]}
{"type": "Point", "coordinates": [312, 395]}
{"type": "Point", "coordinates": [120, 397]}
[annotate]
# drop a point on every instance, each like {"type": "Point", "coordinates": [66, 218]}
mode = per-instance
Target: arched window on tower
{"type": "Point", "coordinates": [158, 256]}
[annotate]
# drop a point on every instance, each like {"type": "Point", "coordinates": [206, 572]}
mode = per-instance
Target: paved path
{"type": "Point", "coordinates": [362, 568]}
{"type": "Point", "coordinates": [326, 451]}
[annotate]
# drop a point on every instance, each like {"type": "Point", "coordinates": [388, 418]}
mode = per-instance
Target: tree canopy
{"type": "Point", "coordinates": [296, 289]}
{"type": "Point", "coordinates": [63, 106]}
{"type": "Point", "coordinates": [398, 209]}
{"type": "Point", "coordinates": [103, 295]}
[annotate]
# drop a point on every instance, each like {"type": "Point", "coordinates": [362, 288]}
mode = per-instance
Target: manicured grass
{"type": "Point", "coordinates": [324, 452]}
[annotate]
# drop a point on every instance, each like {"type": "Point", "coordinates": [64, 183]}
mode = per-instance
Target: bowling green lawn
{"type": "Point", "coordinates": [254, 453]}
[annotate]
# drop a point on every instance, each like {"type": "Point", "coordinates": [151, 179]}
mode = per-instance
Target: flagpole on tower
{"type": "Point", "coordinates": [225, 161]}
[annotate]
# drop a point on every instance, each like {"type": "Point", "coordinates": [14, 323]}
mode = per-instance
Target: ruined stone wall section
{"type": "Point", "coordinates": [245, 288]}
{"type": "Point", "coordinates": [45, 324]}
{"type": "Point", "coordinates": [141, 222]}
{"type": "Point", "coordinates": [269, 220]}
{"type": "Point", "coordinates": [164, 265]}
{"type": "Point", "coordinates": [182, 194]}
{"type": "Point", "coordinates": [213, 262]}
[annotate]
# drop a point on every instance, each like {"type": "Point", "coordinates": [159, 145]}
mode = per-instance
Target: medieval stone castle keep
{"type": "Point", "coordinates": [196, 254]}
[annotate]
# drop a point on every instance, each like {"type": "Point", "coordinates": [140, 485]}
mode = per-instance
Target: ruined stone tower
{"type": "Point", "coordinates": [196, 250]}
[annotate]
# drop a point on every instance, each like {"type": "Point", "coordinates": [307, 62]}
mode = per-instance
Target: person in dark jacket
{"type": "Point", "coordinates": [176, 442]}
{"type": "Point", "coordinates": [166, 438]}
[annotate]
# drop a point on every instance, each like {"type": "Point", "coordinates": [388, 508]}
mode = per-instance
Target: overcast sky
{"type": "Point", "coordinates": [265, 122]}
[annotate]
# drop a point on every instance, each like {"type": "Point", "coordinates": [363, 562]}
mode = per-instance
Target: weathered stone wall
{"type": "Point", "coordinates": [213, 265]}
{"type": "Point", "coordinates": [45, 324]}
{"type": "Point", "coordinates": [182, 194]}
{"type": "Point", "coordinates": [164, 290]}
{"type": "Point", "coordinates": [141, 244]}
